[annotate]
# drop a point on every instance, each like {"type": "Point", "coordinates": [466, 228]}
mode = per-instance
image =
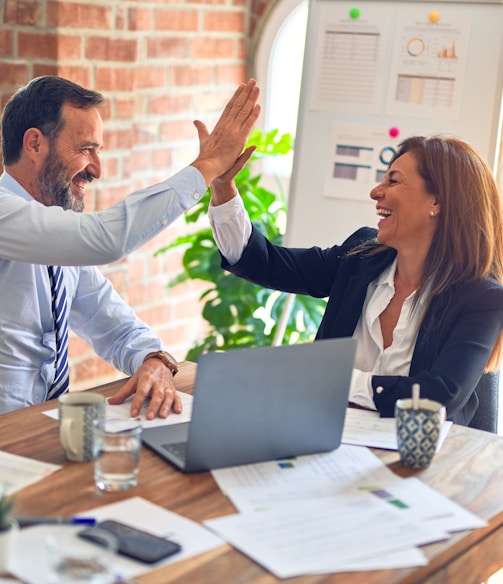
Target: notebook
{"type": "Point", "coordinates": [256, 404]}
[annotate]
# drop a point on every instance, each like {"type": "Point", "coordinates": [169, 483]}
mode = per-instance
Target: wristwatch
{"type": "Point", "coordinates": [168, 360]}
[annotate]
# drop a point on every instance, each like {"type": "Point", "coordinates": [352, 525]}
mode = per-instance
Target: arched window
{"type": "Point", "coordinates": [277, 64]}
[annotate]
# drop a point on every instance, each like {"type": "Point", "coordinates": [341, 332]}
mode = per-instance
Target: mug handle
{"type": "Point", "coordinates": [66, 435]}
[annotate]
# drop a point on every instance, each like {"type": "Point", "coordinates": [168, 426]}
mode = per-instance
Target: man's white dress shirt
{"type": "Point", "coordinates": [32, 236]}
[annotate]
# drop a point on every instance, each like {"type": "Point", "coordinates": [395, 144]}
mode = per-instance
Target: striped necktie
{"type": "Point", "coordinates": [62, 377]}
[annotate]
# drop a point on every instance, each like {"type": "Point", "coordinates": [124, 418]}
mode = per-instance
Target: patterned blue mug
{"type": "Point", "coordinates": [418, 430]}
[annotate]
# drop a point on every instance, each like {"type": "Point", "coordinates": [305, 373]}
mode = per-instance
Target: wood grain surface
{"type": "Point", "coordinates": [468, 469]}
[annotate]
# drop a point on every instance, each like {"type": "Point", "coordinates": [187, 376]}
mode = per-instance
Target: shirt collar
{"type": "Point", "coordinates": [387, 276]}
{"type": "Point", "coordinates": [10, 184]}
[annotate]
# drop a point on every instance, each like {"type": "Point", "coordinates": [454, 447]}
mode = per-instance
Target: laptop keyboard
{"type": "Point", "coordinates": [178, 449]}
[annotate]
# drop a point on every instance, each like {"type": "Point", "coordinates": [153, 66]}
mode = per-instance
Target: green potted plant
{"type": "Point", "coordinates": [8, 531]}
{"type": "Point", "coordinates": [238, 313]}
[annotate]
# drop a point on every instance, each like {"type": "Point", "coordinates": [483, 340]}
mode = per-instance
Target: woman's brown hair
{"type": "Point", "coordinates": [468, 242]}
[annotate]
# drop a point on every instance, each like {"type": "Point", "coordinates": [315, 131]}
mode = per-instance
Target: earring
{"type": "Point", "coordinates": [432, 214]}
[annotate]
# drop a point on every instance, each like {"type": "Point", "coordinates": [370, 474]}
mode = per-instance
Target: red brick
{"type": "Point", "coordinates": [157, 48]}
{"type": "Point", "coordinates": [224, 21]}
{"type": "Point", "coordinates": [39, 46]}
{"type": "Point", "coordinates": [155, 314]}
{"type": "Point", "coordinates": [145, 133]}
{"type": "Point", "coordinates": [106, 49]}
{"type": "Point", "coordinates": [120, 18]}
{"type": "Point", "coordinates": [170, 104]}
{"type": "Point", "coordinates": [114, 79]}
{"type": "Point", "coordinates": [177, 130]}
{"type": "Point", "coordinates": [233, 74]}
{"type": "Point", "coordinates": [150, 77]}
{"type": "Point", "coordinates": [124, 107]}
{"type": "Point", "coordinates": [162, 158]}
{"type": "Point", "coordinates": [140, 160]}
{"type": "Point", "coordinates": [110, 168]}
{"type": "Point", "coordinates": [146, 293]}
{"type": "Point", "coordinates": [6, 42]}
{"type": "Point", "coordinates": [13, 74]}
{"type": "Point", "coordinates": [139, 18]}
{"type": "Point", "coordinates": [21, 12]}
{"type": "Point", "coordinates": [213, 48]}
{"type": "Point", "coordinates": [191, 75]}
{"type": "Point", "coordinates": [176, 19]}
{"type": "Point", "coordinates": [79, 15]}
{"type": "Point", "coordinates": [117, 138]}
{"type": "Point", "coordinates": [69, 47]}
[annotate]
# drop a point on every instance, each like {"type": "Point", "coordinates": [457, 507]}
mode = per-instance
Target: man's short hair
{"type": "Point", "coordinates": [38, 105]}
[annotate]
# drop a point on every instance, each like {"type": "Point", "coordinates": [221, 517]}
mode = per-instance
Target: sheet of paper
{"type": "Point", "coordinates": [349, 470]}
{"type": "Point", "coordinates": [406, 558]}
{"type": "Point", "coordinates": [320, 536]}
{"type": "Point", "coordinates": [17, 472]}
{"type": "Point", "coordinates": [257, 486]}
{"type": "Point", "coordinates": [414, 500]}
{"type": "Point", "coordinates": [366, 428]}
{"type": "Point", "coordinates": [118, 416]}
{"type": "Point", "coordinates": [136, 511]}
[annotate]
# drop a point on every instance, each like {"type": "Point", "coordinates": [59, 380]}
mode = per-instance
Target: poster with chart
{"type": "Point", "coordinates": [359, 159]}
{"type": "Point", "coordinates": [350, 57]}
{"type": "Point", "coordinates": [429, 62]}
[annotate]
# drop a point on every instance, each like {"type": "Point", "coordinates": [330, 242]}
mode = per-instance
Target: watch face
{"type": "Point", "coordinates": [167, 360]}
{"type": "Point", "coordinates": [170, 358]}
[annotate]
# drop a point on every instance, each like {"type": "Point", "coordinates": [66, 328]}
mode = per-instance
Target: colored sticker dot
{"type": "Point", "coordinates": [434, 16]}
{"type": "Point", "coordinates": [393, 132]}
{"type": "Point", "coordinates": [354, 13]}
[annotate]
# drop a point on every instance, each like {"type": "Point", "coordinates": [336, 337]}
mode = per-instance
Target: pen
{"type": "Point", "coordinates": [27, 521]}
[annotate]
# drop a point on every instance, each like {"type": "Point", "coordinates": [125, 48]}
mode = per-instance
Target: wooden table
{"type": "Point", "coordinates": [468, 469]}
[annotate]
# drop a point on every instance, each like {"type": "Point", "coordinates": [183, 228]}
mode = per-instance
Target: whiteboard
{"type": "Point", "coordinates": [372, 77]}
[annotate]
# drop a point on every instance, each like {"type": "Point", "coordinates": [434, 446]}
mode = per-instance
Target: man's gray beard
{"type": "Point", "coordinates": [53, 191]}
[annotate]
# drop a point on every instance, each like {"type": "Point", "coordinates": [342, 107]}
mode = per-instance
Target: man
{"type": "Point", "coordinates": [52, 134]}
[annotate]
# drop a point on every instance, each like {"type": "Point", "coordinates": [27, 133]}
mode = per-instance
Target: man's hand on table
{"type": "Point", "coordinates": [155, 381]}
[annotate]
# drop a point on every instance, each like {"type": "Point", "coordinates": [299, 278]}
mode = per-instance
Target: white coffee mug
{"type": "Point", "coordinates": [79, 413]}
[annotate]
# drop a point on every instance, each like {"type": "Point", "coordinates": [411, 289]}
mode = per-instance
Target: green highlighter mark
{"type": "Point", "coordinates": [398, 503]}
{"type": "Point", "coordinates": [383, 494]}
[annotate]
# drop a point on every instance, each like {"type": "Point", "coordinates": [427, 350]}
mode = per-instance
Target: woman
{"type": "Point", "coordinates": [423, 294]}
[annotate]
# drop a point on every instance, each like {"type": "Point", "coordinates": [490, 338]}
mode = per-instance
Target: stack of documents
{"type": "Point", "coordinates": [333, 512]}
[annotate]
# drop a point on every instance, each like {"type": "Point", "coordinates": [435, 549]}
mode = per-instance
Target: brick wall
{"type": "Point", "coordinates": [160, 64]}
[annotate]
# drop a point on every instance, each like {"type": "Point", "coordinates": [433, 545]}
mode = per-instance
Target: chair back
{"type": "Point", "coordinates": [486, 416]}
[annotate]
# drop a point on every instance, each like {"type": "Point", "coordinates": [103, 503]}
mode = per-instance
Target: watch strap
{"type": "Point", "coordinates": [166, 358]}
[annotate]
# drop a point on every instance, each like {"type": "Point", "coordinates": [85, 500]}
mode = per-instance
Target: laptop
{"type": "Point", "coordinates": [256, 404]}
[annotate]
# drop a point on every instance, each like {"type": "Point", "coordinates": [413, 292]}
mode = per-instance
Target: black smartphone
{"type": "Point", "coordinates": [134, 543]}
